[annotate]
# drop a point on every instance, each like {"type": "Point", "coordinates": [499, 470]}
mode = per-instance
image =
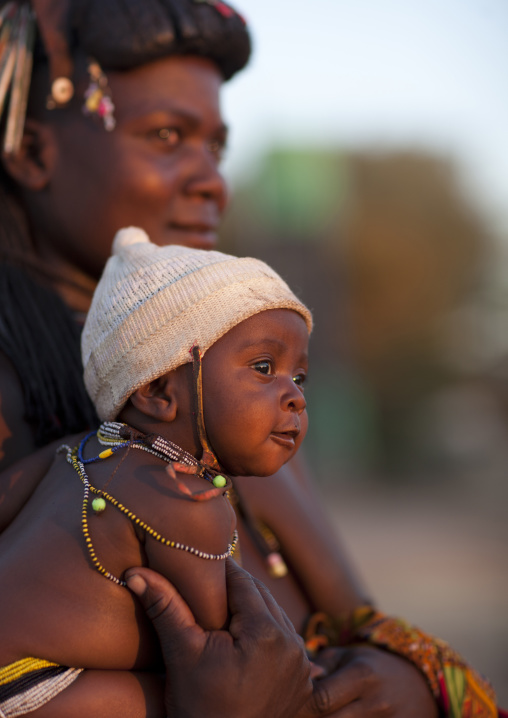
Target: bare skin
{"type": "Point", "coordinates": [356, 691]}
{"type": "Point", "coordinates": [378, 678]}
{"type": "Point", "coordinates": [260, 643]}
{"type": "Point", "coordinates": [34, 171]}
{"type": "Point", "coordinates": [82, 619]}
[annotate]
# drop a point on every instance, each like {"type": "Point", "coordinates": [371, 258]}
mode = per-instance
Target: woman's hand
{"type": "Point", "coordinates": [367, 682]}
{"type": "Point", "coordinates": [256, 668]}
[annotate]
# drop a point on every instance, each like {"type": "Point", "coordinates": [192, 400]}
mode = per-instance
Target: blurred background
{"type": "Point", "coordinates": [369, 164]}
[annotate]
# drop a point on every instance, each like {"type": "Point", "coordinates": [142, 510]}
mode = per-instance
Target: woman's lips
{"type": "Point", "coordinates": [199, 236]}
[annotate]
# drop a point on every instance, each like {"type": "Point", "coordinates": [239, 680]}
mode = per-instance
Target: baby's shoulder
{"type": "Point", "coordinates": [159, 501]}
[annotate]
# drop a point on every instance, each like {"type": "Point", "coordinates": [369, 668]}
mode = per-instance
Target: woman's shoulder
{"type": "Point", "coordinates": [16, 436]}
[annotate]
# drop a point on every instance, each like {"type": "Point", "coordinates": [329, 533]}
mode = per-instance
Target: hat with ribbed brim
{"type": "Point", "coordinates": [153, 304]}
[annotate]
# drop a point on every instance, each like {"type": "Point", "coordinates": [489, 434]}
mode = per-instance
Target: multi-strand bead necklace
{"type": "Point", "coordinates": [114, 435]}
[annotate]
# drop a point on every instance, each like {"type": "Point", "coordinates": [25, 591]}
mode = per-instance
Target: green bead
{"type": "Point", "coordinates": [98, 505]}
{"type": "Point", "coordinates": [219, 482]}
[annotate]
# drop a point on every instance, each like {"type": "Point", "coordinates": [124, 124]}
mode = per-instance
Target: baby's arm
{"type": "Point", "coordinates": [208, 527]}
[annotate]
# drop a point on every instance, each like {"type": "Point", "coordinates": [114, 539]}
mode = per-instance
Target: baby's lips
{"type": "Point", "coordinates": [291, 431]}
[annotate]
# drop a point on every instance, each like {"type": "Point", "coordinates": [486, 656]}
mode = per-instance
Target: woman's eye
{"type": "Point", "coordinates": [299, 380]}
{"type": "Point", "coordinates": [170, 136]}
{"type": "Point", "coordinates": [263, 367]}
{"type": "Point", "coordinates": [217, 148]}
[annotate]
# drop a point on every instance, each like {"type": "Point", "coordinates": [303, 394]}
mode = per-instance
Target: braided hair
{"type": "Point", "coordinates": [38, 332]}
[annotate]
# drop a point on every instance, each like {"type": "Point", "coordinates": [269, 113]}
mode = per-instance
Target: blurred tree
{"type": "Point", "coordinates": [383, 247]}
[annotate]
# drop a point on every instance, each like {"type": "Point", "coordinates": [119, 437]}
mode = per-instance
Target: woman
{"type": "Point", "coordinates": [139, 142]}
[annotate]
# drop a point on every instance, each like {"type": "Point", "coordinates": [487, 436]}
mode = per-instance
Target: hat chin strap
{"type": "Point", "coordinates": [208, 457]}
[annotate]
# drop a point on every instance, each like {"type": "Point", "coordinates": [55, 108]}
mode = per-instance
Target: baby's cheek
{"type": "Point", "coordinates": [304, 425]}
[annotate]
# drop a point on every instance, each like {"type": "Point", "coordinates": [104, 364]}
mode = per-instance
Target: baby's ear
{"type": "Point", "coordinates": [32, 166]}
{"type": "Point", "coordinates": [158, 399]}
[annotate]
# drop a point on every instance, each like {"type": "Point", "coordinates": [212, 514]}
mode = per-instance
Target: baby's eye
{"type": "Point", "coordinates": [263, 367]}
{"type": "Point", "coordinates": [299, 380]}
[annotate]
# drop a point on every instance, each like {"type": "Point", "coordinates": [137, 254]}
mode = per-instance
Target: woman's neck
{"type": "Point", "coordinates": [74, 285]}
{"type": "Point", "coordinates": [76, 291]}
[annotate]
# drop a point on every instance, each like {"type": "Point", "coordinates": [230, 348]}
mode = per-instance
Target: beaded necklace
{"type": "Point", "coordinates": [112, 434]}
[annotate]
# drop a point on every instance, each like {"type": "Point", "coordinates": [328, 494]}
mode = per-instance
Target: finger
{"type": "Point", "coordinates": [243, 593]}
{"type": "Point", "coordinates": [275, 609]}
{"type": "Point", "coordinates": [172, 618]}
{"type": "Point", "coordinates": [353, 710]}
{"type": "Point", "coordinates": [316, 671]}
{"type": "Point", "coordinates": [242, 586]}
{"type": "Point", "coordinates": [251, 618]}
{"type": "Point", "coordinates": [278, 613]}
{"type": "Point", "coordinates": [331, 658]}
{"type": "Point", "coordinates": [338, 694]}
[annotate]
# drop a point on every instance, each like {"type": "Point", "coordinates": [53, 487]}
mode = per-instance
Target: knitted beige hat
{"type": "Point", "coordinates": [154, 303]}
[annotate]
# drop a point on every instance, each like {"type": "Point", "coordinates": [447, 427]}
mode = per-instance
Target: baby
{"type": "Point", "coordinates": [196, 363]}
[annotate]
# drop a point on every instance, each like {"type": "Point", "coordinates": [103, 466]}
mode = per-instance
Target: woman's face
{"type": "Point", "coordinates": [158, 169]}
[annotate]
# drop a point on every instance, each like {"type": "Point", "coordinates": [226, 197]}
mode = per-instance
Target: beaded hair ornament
{"type": "Point", "coordinates": [17, 35]}
{"type": "Point", "coordinates": [98, 102]}
{"type": "Point", "coordinates": [17, 39]}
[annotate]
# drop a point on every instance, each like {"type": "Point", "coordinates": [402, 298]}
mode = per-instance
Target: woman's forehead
{"type": "Point", "coordinates": [175, 84]}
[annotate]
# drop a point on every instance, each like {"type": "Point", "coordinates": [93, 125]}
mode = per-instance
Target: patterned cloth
{"type": "Point", "coordinates": [30, 683]}
{"type": "Point", "coordinates": [460, 692]}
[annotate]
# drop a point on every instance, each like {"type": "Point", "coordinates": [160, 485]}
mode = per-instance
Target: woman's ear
{"type": "Point", "coordinates": [158, 399]}
{"type": "Point", "coordinates": [32, 166]}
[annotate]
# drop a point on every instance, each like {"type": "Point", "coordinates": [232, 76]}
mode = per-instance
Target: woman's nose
{"type": "Point", "coordinates": [207, 181]}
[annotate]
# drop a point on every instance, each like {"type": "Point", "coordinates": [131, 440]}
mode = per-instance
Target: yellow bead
{"type": "Point", "coordinates": [219, 482]}
{"type": "Point", "coordinates": [94, 100]}
{"type": "Point", "coordinates": [106, 453]}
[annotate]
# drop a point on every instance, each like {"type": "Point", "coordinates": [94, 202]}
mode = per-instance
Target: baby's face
{"type": "Point", "coordinates": [254, 407]}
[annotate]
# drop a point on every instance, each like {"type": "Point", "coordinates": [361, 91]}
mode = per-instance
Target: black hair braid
{"type": "Point", "coordinates": [14, 234]}
{"type": "Point", "coordinates": [41, 338]}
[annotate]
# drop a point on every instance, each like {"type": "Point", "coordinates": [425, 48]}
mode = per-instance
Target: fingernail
{"type": "Point", "coordinates": [136, 584]}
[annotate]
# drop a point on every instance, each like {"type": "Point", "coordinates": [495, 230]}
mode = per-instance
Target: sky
{"type": "Point", "coordinates": [386, 74]}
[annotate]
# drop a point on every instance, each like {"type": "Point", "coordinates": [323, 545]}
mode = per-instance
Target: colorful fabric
{"type": "Point", "coordinates": [30, 683]}
{"type": "Point", "coordinates": [460, 692]}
